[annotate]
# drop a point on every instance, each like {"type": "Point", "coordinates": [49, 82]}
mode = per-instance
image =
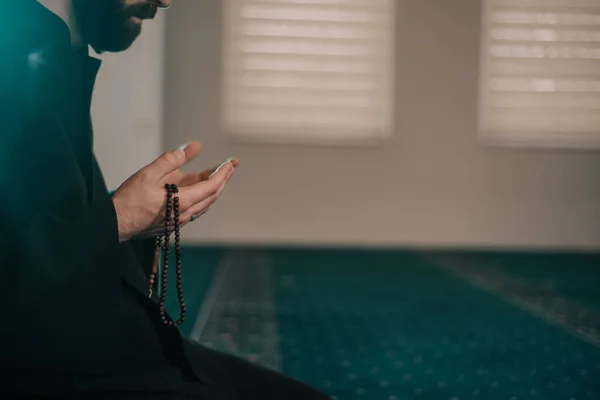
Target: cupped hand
{"type": "Point", "coordinates": [140, 201]}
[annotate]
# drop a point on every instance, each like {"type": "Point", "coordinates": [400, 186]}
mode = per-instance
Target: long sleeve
{"type": "Point", "coordinates": [60, 266]}
{"type": "Point", "coordinates": [50, 228]}
{"type": "Point", "coordinates": [56, 222]}
{"type": "Point", "coordinates": [65, 280]}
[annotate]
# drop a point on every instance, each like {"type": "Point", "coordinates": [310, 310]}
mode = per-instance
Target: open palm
{"type": "Point", "coordinates": [183, 179]}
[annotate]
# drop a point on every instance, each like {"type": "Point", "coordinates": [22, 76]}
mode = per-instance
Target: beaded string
{"type": "Point", "coordinates": [163, 242]}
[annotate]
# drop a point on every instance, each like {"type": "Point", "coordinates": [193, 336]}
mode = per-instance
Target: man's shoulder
{"type": "Point", "coordinates": [17, 21]}
{"type": "Point", "coordinates": [15, 46]}
{"type": "Point", "coordinates": [23, 28]}
{"type": "Point", "coordinates": [16, 49]}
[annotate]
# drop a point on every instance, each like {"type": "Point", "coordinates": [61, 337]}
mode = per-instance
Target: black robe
{"type": "Point", "coordinates": [76, 315]}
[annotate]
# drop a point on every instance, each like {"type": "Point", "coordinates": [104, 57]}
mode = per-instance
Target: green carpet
{"type": "Point", "coordinates": [390, 325]}
{"type": "Point", "coordinates": [575, 276]}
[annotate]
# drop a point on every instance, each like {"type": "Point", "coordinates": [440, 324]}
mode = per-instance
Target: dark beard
{"type": "Point", "coordinates": [106, 24]}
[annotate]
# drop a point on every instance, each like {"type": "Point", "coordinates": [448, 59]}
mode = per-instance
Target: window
{"type": "Point", "coordinates": [308, 70]}
{"type": "Point", "coordinates": [540, 79]}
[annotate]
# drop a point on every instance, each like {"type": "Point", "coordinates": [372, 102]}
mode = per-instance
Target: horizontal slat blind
{"type": "Point", "coordinates": [306, 70]}
{"type": "Point", "coordinates": [540, 80]}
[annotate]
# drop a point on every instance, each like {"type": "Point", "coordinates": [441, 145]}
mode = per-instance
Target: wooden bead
{"type": "Point", "coordinates": [172, 225]}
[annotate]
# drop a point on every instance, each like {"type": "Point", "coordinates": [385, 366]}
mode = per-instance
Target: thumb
{"type": "Point", "coordinates": [171, 161]}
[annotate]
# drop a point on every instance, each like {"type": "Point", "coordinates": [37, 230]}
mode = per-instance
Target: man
{"type": "Point", "coordinates": [75, 261]}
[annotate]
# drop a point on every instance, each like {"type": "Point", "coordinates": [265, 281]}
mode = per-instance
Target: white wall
{"type": "Point", "coordinates": [434, 184]}
{"type": "Point", "coordinates": [127, 107]}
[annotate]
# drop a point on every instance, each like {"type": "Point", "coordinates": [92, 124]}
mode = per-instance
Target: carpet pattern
{"type": "Point", "coordinates": [400, 325]}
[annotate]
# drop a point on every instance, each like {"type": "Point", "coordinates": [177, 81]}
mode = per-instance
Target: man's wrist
{"type": "Point", "coordinates": [122, 223]}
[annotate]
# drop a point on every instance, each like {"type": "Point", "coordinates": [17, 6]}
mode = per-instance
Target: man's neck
{"type": "Point", "coordinates": [63, 9]}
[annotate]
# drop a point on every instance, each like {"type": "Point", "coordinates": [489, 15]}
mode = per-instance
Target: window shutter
{"type": "Point", "coordinates": [540, 79]}
{"type": "Point", "coordinates": [308, 70]}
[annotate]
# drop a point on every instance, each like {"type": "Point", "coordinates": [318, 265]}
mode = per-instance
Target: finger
{"type": "Point", "coordinates": [203, 206]}
{"type": "Point", "coordinates": [228, 161]}
{"type": "Point", "coordinates": [204, 175]}
{"type": "Point", "coordinates": [222, 172]}
{"type": "Point", "coordinates": [173, 160]}
{"type": "Point", "coordinates": [209, 172]}
{"type": "Point", "coordinates": [234, 161]}
{"type": "Point", "coordinates": [191, 150]}
{"type": "Point", "coordinates": [194, 177]}
{"type": "Point", "coordinates": [195, 193]}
